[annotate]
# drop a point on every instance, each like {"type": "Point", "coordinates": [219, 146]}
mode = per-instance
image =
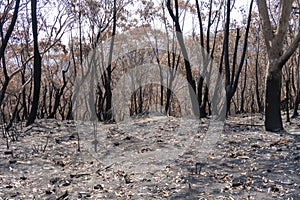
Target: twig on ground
{"type": "Point", "coordinates": [44, 149]}
{"type": "Point", "coordinates": [63, 196]}
{"type": "Point", "coordinates": [78, 140]}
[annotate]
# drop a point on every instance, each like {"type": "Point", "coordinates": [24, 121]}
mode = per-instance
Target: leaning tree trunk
{"type": "Point", "coordinates": [4, 43]}
{"type": "Point", "coordinates": [273, 121]}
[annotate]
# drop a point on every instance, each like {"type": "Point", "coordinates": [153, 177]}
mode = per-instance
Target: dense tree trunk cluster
{"type": "Point", "coordinates": [70, 65]}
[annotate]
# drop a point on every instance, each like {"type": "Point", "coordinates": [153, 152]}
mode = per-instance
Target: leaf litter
{"type": "Point", "coordinates": [148, 158]}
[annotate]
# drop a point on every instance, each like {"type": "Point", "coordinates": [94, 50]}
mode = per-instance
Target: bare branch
{"type": "Point", "coordinates": [289, 52]}
{"type": "Point", "coordinates": [282, 27]}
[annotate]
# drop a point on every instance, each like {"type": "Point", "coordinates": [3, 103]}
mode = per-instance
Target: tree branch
{"type": "Point", "coordinates": [282, 27]}
{"type": "Point", "coordinates": [10, 29]}
{"type": "Point", "coordinates": [289, 52]}
{"type": "Point", "coordinates": [266, 23]}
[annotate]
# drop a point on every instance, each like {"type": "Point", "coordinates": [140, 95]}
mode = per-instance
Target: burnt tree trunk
{"type": "Point", "coordinates": [36, 67]}
{"type": "Point", "coordinates": [203, 112]}
{"type": "Point", "coordinates": [141, 101]}
{"type": "Point", "coordinates": [242, 109]}
{"type": "Point", "coordinates": [258, 98]}
{"type": "Point", "coordinates": [70, 113]}
{"type": "Point", "coordinates": [273, 121]}
{"type": "Point", "coordinates": [44, 104]}
{"type": "Point", "coordinates": [99, 102]}
{"type": "Point", "coordinates": [187, 64]}
{"type": "Point", "coordinates": [278, 55]}
{"type": "Point", "coordinates": [3, 46]}
{"type": "Point", "coordinates": [25, 112]}
{"type": "Point", "coordinates": [287, 93]}
{"type": "Point", "coordinates": [296, 106]}
{"type": "Point", "coordinates": [108, 115]}
{"type": "Point", "coordinates": [232, 75]}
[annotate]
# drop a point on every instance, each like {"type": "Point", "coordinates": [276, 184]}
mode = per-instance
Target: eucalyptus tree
{"type": "Point", "coordinates": [275, 33]}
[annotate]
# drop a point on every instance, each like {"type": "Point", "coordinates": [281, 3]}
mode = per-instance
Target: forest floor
{"type": "Point", "coordinates": [150, 158]}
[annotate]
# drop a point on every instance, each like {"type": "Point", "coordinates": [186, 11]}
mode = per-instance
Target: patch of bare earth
{"type": "Point", "coordinates": [148, 158]}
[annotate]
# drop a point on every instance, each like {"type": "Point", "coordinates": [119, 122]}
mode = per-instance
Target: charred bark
{"type": "Point", "coordinates": [273, 121]}
{"type": "Point", "coordinates": [37, 67]}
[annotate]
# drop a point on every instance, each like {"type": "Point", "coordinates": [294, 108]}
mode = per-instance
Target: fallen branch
{"type": "Point", "coordinates": [63, 196]}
